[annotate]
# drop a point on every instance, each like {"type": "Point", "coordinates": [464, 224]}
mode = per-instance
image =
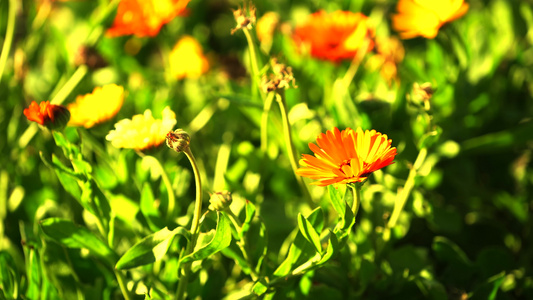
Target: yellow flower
{"type": "Point", "coordinates": [346, 156]}
{"type": "Point", "coordinates": [266, 26]}
{"type": "Point", "coordinates": [425, 17]}
{"type": "Point", "coordinates": [187, 59]}
{"type": "Point", "coordinates": [97, 107]}
{"type": "Point", "coordinates": [142, 131]}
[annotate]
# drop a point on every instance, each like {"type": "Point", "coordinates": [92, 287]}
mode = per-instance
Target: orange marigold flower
{"type": "Point", "coordinates": [346, 156]}
{"type": "Point", "coordinates": [49, 115]}
{"type": "Point", "coordinates": [187, 59]}
{"type": "Point", "coordinates": [335, 36]}
{"type": "Point", "coordinates": [144, 17]}
{"type": "Point", "coordinates": [97, 107]}
{"type": "Point", "coordinates": [425, 17]}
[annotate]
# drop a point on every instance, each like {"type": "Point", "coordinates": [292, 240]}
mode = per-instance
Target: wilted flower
{"type": "Point", "coordinates": [244, 17]}
{"type": "Point", "coordinates": [144, 17]}
{"type": "Point", "coordinates": [142, 131]}
{"type": "Point", "coordinates": [424, 90]}
{"type": "Point", "coordinates": [335, 36]}
{"type": "Point", "coordinates": [187, 59]}
{"type": "Point", "coordinates": [54, 117]}
{"type": "Point", "coordinates": [89, 56]}
{"type": "Point", "coordinates": [390, 53]}
{"type": "Point", "coordinates": [425, 17]}
{"type": "Point", "coordinates": [281, 78]}
{"type": "Point", "coordinates": [97, 107]}
{"type": "Point", "coordinates": [346, 156]}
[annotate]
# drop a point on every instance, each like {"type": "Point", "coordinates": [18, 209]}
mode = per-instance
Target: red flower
{"type": "Point", "coordinates": [49, 115]}
{"type": "Point", "coordinates": [335, 36]}
{"type": "Point", "coordinates": [144, 17]}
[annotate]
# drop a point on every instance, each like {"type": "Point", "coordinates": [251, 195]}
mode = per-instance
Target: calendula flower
{"type": "Point", "coordinates": [97, 107]}
{"type": "Point", "coordinates": [144, 17]}
{"type": "Point", "coordinates": [187, 59]}
{"type": "Point", "coordinates": [142, 132]}
{"type": "Point", "coordinates": [51, 116]}
{"type": "Point", "coordinates": [335, 36]}
{"type": "Point", "coordinates": [425, 17]}
{"type": "Point", "coordinates": [346, 156]}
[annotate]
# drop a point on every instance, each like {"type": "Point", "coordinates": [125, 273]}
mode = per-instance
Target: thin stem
{"type": "Point", "coordinates": [6, 48]}
{"type": "Point", "coordinates": [171, 206]}
{"type": "Point", "coordinates": [122, 284]}
{"type": "Point", "coordinates": [242, 243]}
{"type": "Point", "coordinates": [182, 286]}
{"type": "Point", "coordinates": [406, 191]}
{"type": "Point", "coordinates": [264, 122]}
{"type": "Point", "coordinates": [293, 157]}
{"type": "Point", "coordinates": [356, 190]}
{"type": "Point", "coordinates": [253, 61]}
{"type": "Point", "coordinates": [356, 62]}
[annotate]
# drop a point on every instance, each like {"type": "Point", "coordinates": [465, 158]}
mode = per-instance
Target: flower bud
{"type": "Point", "coordinates": [178, 140]}
{"type": "Point", "coordinates": [53, 117]}
{"type": "Point", "coordinates": [219, 201]}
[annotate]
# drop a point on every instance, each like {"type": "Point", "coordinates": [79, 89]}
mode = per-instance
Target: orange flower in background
{"type": "Point", "coordinates": [144, 17]}
{"type": "Point", "coordinates": [425, 17]}
{"type": "Point", "coordinates": [346, 156]}
{"type": "Point", "coordinates": [95, 108]}
{"type": "Point", "coordinates": [187, 59]}
{"type": "Point", "coordinates": [335, 36]}
{"type": "Point", "coordinates": [51, 116]}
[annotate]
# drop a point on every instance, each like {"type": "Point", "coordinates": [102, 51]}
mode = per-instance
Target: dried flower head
{"type": "Point", "coordinates": [280, 78]}
{"type": "Point", "coordinates": [389, 53]}
{"type": "Point", "coordinates": [346, 156]}
{"type": "Point", "coordinates": [424, 90]}
{"type": "Point", "coordinates": [53, 117]}
{"type": "Point", "coordinates": [425, 17]}
{"type": "Point", "coordinates": [90, 57]}
{"type": "Point", "coordinates": [97, 107]}
{"type": "Point", "coordinates": [245, 17]}
{"type": "Point", "coordinates": [178, 140]}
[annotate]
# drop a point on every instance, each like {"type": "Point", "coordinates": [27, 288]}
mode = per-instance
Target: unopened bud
{"type": "Point", "coordinates": [178, 140]}
{"type": "Point", "coordinates": [219, 201]}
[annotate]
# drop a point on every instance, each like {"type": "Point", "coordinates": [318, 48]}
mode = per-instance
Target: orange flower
{"type": "Point", "coordinates": [425, 17]}
{"type": "Point", "coordinates": [49, 115]}
{"type": "Point", "coordinates": [144, 17]}
{"type": "Point", "coordinates": [97, 107]}
{"type": "Point", "coordinates": [335, 36]}
{"type": "Point", "coordinates": [390, 53]}
{"type": "Point", "coordinates": [346, 156]}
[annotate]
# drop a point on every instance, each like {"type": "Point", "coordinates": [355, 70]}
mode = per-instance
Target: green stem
{"type": "Point", "coordinates": [406, 191]}
{"type": "Point", "coordinates": [182, 286]}
{"type": "Point", "coordinates": [293, 157]}
{"type": "Point", "coordinates": [242, 243]}
{"type": "Point", "coordinates": [264, 122]}
{"type": "Point", "coordinates": [356, 190]}
{"type": "Point", "coordinates": [354, 65]}
{"type": "Point", "coordinates": [253, 62]}
{"type": "Point", "coordinates": [6, 48]}
{"type": "Point", "coordinates": [171, 206]}
{"type": "Point", "coordinates": [122, 284]}
{"type": "Point", "coordinates": [302, 269]}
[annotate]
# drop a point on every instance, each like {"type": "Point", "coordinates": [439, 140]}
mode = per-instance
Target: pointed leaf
{"type": "Point", "coordinates": [71, 235]}
{"type": "Point", "coordinates": [250, 213]}
{"type": "Point", "coordinates": [221, 240]}
{"type": "Point", "coordinates": [309, 233]}
{"type": "Point", "coordinates": [150, 249]}
{"type": "Point", "coordinates": [337, 201]}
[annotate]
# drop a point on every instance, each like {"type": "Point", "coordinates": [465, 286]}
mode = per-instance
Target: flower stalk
{"type": "Point", "coordinates": [6, 48]}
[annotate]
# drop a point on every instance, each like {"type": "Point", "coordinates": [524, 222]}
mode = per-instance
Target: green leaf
{"type": "Point", "coordinates": [250, 213]}
{"type": "Point", "coordinates": [260, 287]}
{"type": "Point", "coordinates": [332, 249]}
{"type": "Point", "coordinates": [309, 233]}
{"type": "Point", "coordinates": [150, 249]}
{"type": "Point", "coordinates": [448, 251]}
{"type": "Point", "coordinates": [221, 240]}
{"type": "Point", "coordinates": [338, 202]}
{"type": "Point", "coordinates": [149, 211]}
{"type": "Point", "coordinates": [344, 227]}
{"type": "Point", "coordinates": [8, 276]}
